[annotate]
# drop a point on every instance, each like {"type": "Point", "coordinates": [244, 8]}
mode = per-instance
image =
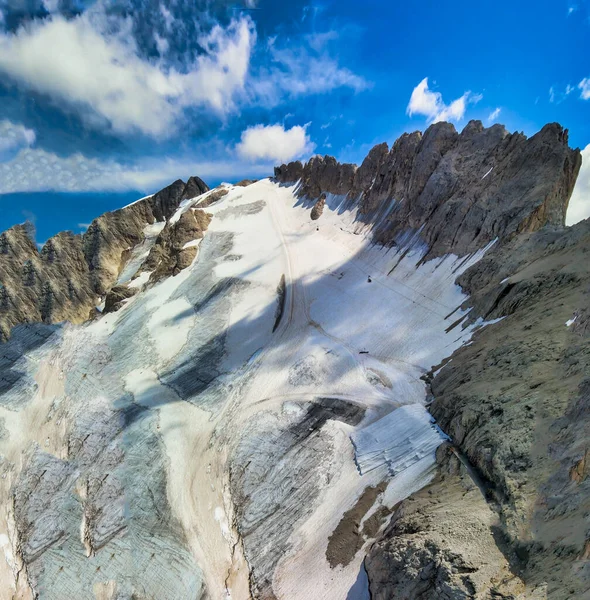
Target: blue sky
{"type": "Point", "coordinates": [102, 102]}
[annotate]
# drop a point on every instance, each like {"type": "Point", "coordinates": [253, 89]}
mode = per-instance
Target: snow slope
{"type": "Point", "coordinates": [212, 434]}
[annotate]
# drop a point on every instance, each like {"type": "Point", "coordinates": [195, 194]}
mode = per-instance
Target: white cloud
{"type": "Point", "coordinates": [36, 170]}
{"type": "Point", "coordinates": [92, 64]}
{"type": "Point", "coordinates": [168, 17]}
{"type": "Point", "coordinates": [162, 44]}
{"type": "Point", "coordinates": [79, 62]}
{"type": "Point", "coordinates": [14, 136]}
{"type": "Point", "coordinates": [50, 6]}
{"type": "Point", "coordinates": [584, 86]}
{"type": "Point", "coordinates": [424, 101]}
{"type": "Point", "coordinates": [579, 206]}
{"type": "Point", "coordinates": [274, 142]}
{"type": "Point", "coordinates": [301, 70]}
{"type": "Point", "coordinates": [494, 115]}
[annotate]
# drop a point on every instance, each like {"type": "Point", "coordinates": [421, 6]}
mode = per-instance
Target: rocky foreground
{"type": "Point", "coordinates": [237, 410]}
{"type": "Point", "coordinates": [516, 401]}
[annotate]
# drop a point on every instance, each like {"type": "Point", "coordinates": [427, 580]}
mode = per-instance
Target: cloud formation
{"type": "Point", "coordinates": [14, 136]}
{"type": "Point", "coordinates": [36, 170]}
{"type": "Point", "coordinates": [424, 101]}
{"type": "Point", "coordinates": [579, 206]}
{"type": "Point", "coordinates": [584, 87]}
{"type": "Point", "coordinates": [141, 72]}
{"type": "Point", "coordinates": [274, 143]}
{"type": "Point", "coordinates": [494, 115]}
{"type": "Point", "coordinates": [80, 62]}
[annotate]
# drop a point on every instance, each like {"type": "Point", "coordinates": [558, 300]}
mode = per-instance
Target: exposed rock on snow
{"type": "Point", "coordinates": [219, 437]}
{"type": "Point", "coordinates": [436, 182]}
{"type": "Point", "coordinates": [172, 251]}
{"type": "Point", "coordinates": [63, 280]}
{"type": "Point", "coordinates": [117, 295]}
{"type": "Point", "coordinates": [318, 208]}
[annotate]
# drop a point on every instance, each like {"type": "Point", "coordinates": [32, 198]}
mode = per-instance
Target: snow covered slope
{"type": "Point", "coordinates": [233, 430]}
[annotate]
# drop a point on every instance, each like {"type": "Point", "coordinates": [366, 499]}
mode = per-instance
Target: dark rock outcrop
{"type": "Point", "coordinates": [213, 197]}
{"type": "Point", "coordinates": [116, 296]}
{"type": "Point", "coordinates": [318, 208]}
{"type": "Point", "coordinates": [516, 401]}
{"type": "Point", "coordinates": [170, 255]}
{"type": "Point", "coordinates": [64, 280]}
{"type": "Point", "coordinates": [460, 191]}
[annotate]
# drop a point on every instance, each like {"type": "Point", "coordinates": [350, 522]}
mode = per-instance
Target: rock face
{"type": "Point", "coordinates": [318, 208]}
{"type": "Point", "coordinates": [116, 296]}
{"type": "Point", "coordinates": [440, 544]}
{"type": "Point", "coordinates": [517, 403]}
{"type": "Point", "coordinates": [174, 249]}
{"type": "Point", "coordinates": [458, 190]}
{"type": "Point", "coordinates": [64, 279]}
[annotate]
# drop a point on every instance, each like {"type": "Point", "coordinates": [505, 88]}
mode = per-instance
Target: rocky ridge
{"type": "Point", "coordinates": [506, 515]}
{"type": "Point", "coordinates": [64, 280]}
{"type": "Point", "coordinates": [515, 401]}
{"type": "Point", "coordinates": [454, 192]}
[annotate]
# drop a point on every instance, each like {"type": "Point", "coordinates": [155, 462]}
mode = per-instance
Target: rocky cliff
{"type": "Point", "coordinates": [516, 403]}
{"type": "Point", "coordinates": [221, 436]}
{"type": "Point", "coordinates": [458, 191]}
{"type": "Point", "coordinates": [66, 278]}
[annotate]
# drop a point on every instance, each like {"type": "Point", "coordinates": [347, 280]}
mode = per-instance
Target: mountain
{"type": "Point", "coordinates": [340, 382]}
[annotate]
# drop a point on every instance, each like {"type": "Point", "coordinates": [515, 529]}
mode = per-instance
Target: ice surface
{"type": "Point", "coordinates": [397, 441]}
{"type": "Point", "coordinates": [180, 401]}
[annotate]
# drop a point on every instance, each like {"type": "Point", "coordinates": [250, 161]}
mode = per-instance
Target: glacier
{"type": "Point", "coordinates": [207, 439]}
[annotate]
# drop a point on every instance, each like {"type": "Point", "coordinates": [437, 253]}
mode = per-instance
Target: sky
{"type": "Point", "coordinates": [102, 102]}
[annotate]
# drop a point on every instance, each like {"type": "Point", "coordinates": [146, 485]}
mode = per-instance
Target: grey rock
{"type": "Point", "coordinates": [460, 191]}
{"type": "Point", "coordinates": [289, 173]}
{"type": "Point", "coordinates": [168, 256]}
{"type": "Point", "coordinates": [318, 208]}
{"type": "Point", "coordinates": [516, 401]}
{"type": "Point", "coordinates": [64, 280]}
{"type": "Point", "coordinates": [116, 296]}
{"type": "Point", "coordinates": [440, 544]}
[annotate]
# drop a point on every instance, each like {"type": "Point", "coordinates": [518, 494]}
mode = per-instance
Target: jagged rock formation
{"type": "Point", "coordinates": [517, 403]}
{"type": "Point", "coordinates": [318, 208]}
{"type": "Point", "coordinates": [434, 547]}
{"type": "Point", "coordinates": [63, 280]}
{"type": "Point", "coordinates": [458, 191]}
{"type": "Point", "coordinates": [175, 249]}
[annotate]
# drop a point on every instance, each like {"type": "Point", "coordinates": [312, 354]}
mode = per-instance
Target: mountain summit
{"type": "Point", "coordinates": [338, 383]}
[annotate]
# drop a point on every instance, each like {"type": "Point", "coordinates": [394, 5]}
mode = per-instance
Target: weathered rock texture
{"type": "Point", "coordinates": [434, 548]}
{"type": "Point", "coordinates": [517, 403]}
{"type": "Point", "coordinates": [170, 255]}
{"type": "Point", "coordinates": [318, 208]}
{"type": "Point", "coordinates": [64, 279]}
{"type": "Point", "coordinates": [458, 190]}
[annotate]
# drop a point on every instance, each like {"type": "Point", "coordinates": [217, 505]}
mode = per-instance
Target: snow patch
{"type": "Point", "coordinates": [397, 441]}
